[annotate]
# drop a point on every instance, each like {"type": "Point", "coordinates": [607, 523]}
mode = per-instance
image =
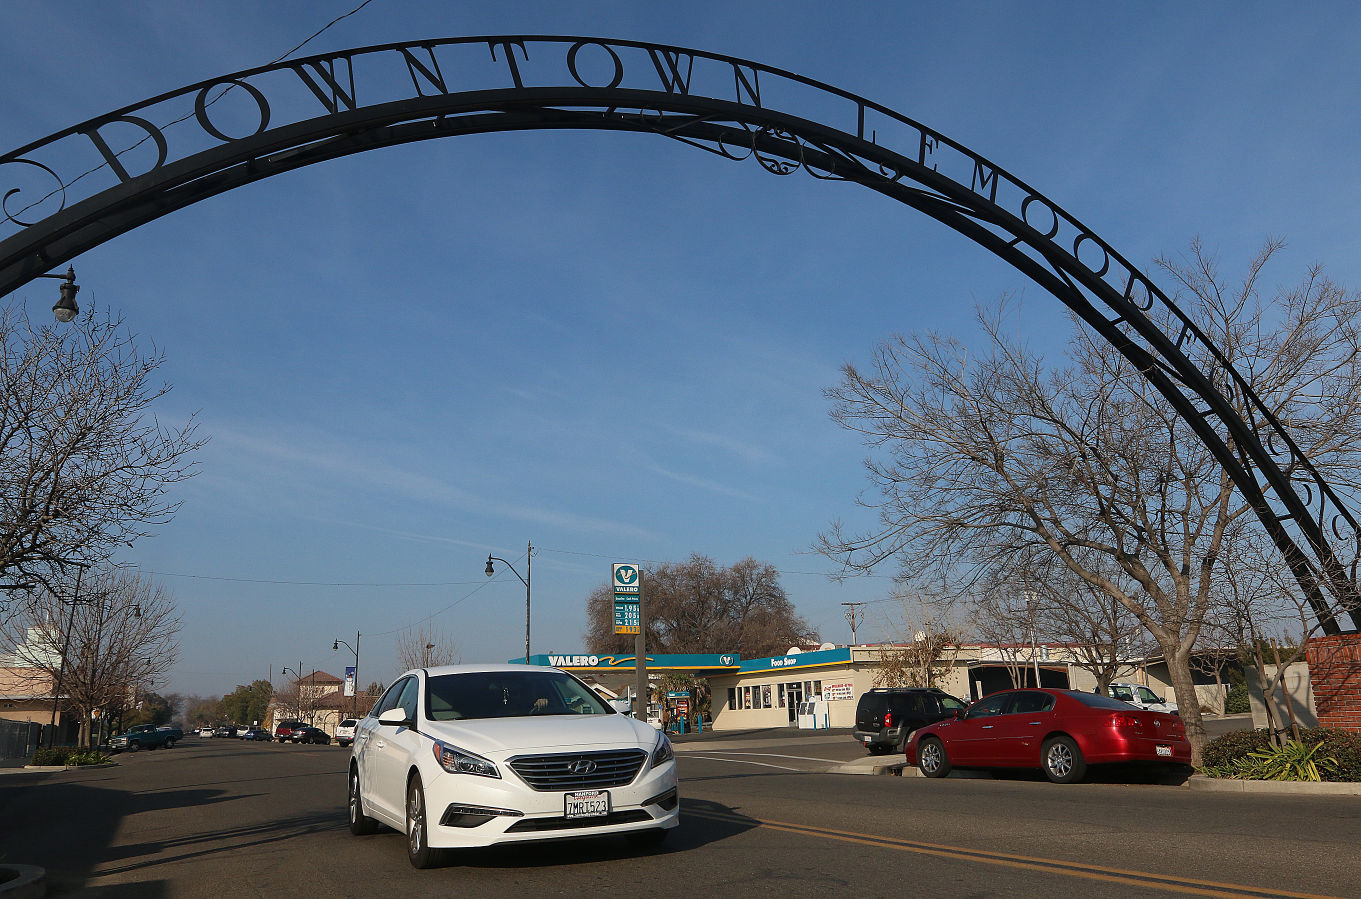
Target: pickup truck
{"type": "Point", "coordinates": [146, 736]}
{"type": "Point", "coordinates": [1141, 696]}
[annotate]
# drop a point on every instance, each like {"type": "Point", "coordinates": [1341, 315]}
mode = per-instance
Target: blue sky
{"type": "Point", "coordinates": [614, 345]}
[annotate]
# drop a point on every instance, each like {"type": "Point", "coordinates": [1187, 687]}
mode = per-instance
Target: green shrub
{"type": "Point", "coordinates": [68, 755]}
{"type": "Point", "coordinates": [1293, 761]}
{"type": "Point", "coordinates": [1342, 745]}
{"type": "Point", "coordinates": [1231, 754]}
{"type": "Point", "coordinates": [1228, 749]}
{"type": "Point", "coordinates": [1236, 703]}
{"type": "Point", "coordinates": [57, 755]}
{"type": "Point", "coordinates": [89, 757]}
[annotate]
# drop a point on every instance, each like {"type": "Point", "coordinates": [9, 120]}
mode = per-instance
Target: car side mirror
{"type": "Point", "coordinates": [957, 714]}
{"type": "Point", "coordinates": [395, 717]}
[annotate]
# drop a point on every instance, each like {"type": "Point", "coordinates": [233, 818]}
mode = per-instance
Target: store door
{"type": "Point", "coordinates": [793, 694]}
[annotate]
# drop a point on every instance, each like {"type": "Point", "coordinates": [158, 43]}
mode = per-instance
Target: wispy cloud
{"type": "Point", "coordinates": [319, 453]}
{"type": "Point", "coordinates": [747, 452]}
{"type": "Point", "coordinates": [695, 481]}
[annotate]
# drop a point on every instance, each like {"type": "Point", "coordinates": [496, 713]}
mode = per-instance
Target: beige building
{"type": "Point", "coordinates": [768, 692]}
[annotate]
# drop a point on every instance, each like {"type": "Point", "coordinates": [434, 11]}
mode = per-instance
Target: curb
{"type": "Point", "coordinates": [42, 768]}
{"type": "Point", "coordinates": [30, 882]}
{"type": "Point", "coordinates": [1278, 787]}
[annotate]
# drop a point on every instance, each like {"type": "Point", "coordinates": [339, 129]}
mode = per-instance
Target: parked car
{"type": "Point", "coordinates": [146, 736]}
{"type": "Point", "coordinates": [285, 727]}
{"type": "Point", "coordinates": [309, 735]}
{"type": "Point", "coordinates": [206, 730]}
{"type": "Point", "coordinates": [225, 730]}
{"type": "Point", "coordinates": [257, 733]}
{"type": "Point", "coordinates": [1141, 696]}
{"type": "Point", "coordinates": [480, 755]}
{"type": "Point", "coordinates": [885, 717]}
{"type": "Point", "coordinates": [1061, 732]}
{"type": "Point", "coordinates": [345, 731]}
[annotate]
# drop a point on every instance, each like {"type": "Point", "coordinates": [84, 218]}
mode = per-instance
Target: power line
{"type": "Point", "coordinates": [222, 93]}
{"type": "Point", "coordinates": [286, 583]}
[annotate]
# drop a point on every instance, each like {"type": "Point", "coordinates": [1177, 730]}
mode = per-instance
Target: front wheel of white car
{"type": "Point", "coordinates": [361, 825]}
{"type": "Point", "coordinates": [418, 850]}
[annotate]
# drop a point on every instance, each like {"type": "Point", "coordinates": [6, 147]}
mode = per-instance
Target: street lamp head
{"type": "Point", "coordinates": [490, 570]}
{"type": "Point", "coordinates": [66, 308]}
{"type": "Point", "coordinates": [335, 645]}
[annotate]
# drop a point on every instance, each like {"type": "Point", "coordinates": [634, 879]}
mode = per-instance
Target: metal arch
{"type": "Point", "coordinates": [309, 110]}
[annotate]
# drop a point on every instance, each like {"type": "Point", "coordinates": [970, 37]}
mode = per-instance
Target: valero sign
{"type": "Point", "coordinates": [627, 598]}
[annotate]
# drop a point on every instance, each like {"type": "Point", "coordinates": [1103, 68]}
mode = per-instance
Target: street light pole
{"type": "Point", "coordinates": [529, 574]}
{"type": "Point", "coordinates": [854, 616]}
{"type": "Point", "coordinates": [65, 648]}
{"type": "Point", "coordinates": [335, 647]}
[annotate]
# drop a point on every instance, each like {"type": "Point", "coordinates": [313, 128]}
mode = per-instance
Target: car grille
{"type": "Point", "coordinates": [579, 770]}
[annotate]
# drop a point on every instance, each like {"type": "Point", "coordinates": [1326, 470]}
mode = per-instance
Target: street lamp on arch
{"type": "Point", "coordinates": [66, 309]}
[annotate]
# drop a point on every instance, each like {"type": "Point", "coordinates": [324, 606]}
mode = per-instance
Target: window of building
{"type": "Point", "coordinates": [732, 697]}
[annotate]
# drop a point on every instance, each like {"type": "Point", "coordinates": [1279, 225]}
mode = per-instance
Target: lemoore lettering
{"type": "Point", "coordinates": [574, 661]}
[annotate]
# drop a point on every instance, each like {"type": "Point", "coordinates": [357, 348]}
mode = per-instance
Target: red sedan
{"type": "Point", "coordinates": [1060, 731]}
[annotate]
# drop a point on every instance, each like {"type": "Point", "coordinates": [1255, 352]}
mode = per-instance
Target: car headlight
{"type": "Point", "coordinates": [662, 752]}
{"type": "Point", "coordinates": [460, 761]}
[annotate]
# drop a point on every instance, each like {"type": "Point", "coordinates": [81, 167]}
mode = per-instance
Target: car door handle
{"type": "Point", "coordinates": [381, 744]}
{"type": "Point", "coordinates": [988, 726]}
{"type": "Point", "coordinates": [1034, 723]}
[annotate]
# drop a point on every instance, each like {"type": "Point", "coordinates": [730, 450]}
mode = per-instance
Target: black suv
{"type": "Point", "coordinates": [887, 716]}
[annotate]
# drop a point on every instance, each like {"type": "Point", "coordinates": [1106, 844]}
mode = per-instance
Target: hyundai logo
{"type": "Point", "coordinates": [582, 767]}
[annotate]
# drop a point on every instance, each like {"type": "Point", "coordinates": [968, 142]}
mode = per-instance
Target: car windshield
{"type": "Point", "coordinates": [508, 694]}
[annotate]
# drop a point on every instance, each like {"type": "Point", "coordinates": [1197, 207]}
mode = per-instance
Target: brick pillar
{"type": "Point", "coordinates": [1335, 676]}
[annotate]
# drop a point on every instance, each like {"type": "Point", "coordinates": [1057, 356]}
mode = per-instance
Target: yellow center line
{"type": "Point", "coordinates": [1032, 863]}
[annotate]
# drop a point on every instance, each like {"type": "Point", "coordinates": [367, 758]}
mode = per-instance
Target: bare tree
{"type": "Point", "coordinates": [122, 639]}
{"type": "Point", "coordinates": [1100, 635]}
{"type": "Point", "coordinates": [929, 641]}
{"type": "Point", "coordinates": [425, 647]}
{"type": "Point", "coordinates": [1005, 619]}
{"type": "Point", "coordinates": [84, 464]}
{"type": "Point", "coordinates": [994, 455]}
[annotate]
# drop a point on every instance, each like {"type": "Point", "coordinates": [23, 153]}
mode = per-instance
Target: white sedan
{"type": "Point", "coordinates": [480, 755]}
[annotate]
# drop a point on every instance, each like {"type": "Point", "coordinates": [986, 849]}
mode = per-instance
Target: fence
{"type": "Point", "coordinates": [18, 739]}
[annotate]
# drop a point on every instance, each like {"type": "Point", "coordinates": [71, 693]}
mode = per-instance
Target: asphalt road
{"type": "Point", "coordinates": [215, 817]}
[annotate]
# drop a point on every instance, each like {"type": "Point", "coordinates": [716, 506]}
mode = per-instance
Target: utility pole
{"type": "Point", "coordinates": [854, 616]}
{"type": "Point", "coordinates": [641, 692]}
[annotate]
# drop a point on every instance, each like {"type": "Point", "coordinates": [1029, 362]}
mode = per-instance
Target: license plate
{"type": "Point", "coordinates": [588, 804]}
{"type": "Point", "coordinates": [1164, 750]}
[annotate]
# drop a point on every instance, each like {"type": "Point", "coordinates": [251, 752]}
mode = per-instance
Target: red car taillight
{"type": "Point", "coordinates": [888, 719]}
{"type": "Point", "coordinates": [1119, 719]}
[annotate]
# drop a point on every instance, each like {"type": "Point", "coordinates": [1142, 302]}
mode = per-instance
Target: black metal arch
{"type": "Point", "coordinates": [76, 189]}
